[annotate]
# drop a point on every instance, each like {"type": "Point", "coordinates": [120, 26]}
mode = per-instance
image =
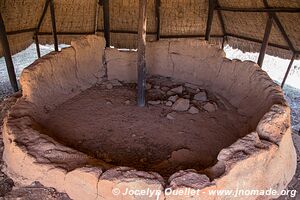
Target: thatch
{"type": "Point", "coordinates": [179, 18]}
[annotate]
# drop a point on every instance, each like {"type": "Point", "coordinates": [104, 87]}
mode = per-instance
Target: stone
{"type": "Point", "coordinates": [165, 88]}
{"type": "Point", "coordinates": [148, 86]}
{"type": "Point", "coordinates": [192, 86]}
{"type": "Point", "coordinates": [127, 102]}
{"type": "Point", "coordinates": [156, 87]}
{"type": "Point", "coordinates": [173, 98]}
{"type": "Point", "coordinates": [193, 110]}
{"type": "Point", "coordinates": [170, 93]}
{"type": "Point", "coordinates": [210, 107]}
{"type": "Point", "coordinates": [154, 102]}
{"type": "Point", "coordinates": [177, 90]}
{"type": "Point", "coordinates": [181, 105]}
{"type": "Point", "coordinates": [109, 86]}
{"type": "Point", "coordinates": [201, 96]}
{"type": "Point", "coordinates": [187, 96]}
{"type": "Point", "coordinates": [169, 103]}
{"type": "Point", "coordinates": [171, 116]}
{"type": "Point", "coordinates": [115, 82]}
{"type": "Point", "coordinates": [108, 103]}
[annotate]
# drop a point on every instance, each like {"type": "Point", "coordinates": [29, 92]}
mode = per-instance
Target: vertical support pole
{"type": "Point", "coordinates": [288, 70]}
{"type": "Point", "coordinates": [157, 14]}
{"type": "Point", "coordinates": [7, 56]}
{"type": "Point", "coordinates": [106, 22]}
{"type": "Point", "coordinates": [96, 16]}
{"type": "Point", "coordinates": [265, 41]}
{"type": "Point", "coordinates": [52, 11]}
{"type": "Point", "coordinates": [141, 52]}
{"type": "Point", "coordinates": [211, 7]}
{"type": "Point", "coordinates": [37, 44]}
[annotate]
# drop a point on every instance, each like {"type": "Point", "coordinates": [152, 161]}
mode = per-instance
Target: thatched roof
{"type": "Point", "coordinates": [178, 18]}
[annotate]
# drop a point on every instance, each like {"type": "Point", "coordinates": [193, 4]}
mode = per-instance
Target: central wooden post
{"type": "Point", "coordinates": [52, 12]}
{"type": "Point", "coordinates": [141, 64]}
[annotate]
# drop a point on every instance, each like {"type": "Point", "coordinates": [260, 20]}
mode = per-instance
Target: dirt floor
{"type": "Point", "coordinates": [107, 124]}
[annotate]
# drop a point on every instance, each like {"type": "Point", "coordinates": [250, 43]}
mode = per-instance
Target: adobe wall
{"type": "Point", "coordinates": [259, 160]}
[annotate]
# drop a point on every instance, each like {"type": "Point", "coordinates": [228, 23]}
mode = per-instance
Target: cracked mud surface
{"type": "Point", "coordinates": [107, 124]}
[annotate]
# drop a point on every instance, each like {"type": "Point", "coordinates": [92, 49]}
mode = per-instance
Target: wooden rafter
{"type": "Point", "coordinates": [52, 11]}
{"type": "Point", "coordinates": [211, 7]}
{"type": "Point", "coordinates": [7, 56]}
{"type": "Point", "coordinates": [106, 23]}
{"type": "Point", "coordinates": [268, 10]}
{"type": "Point", "coordinates": [265, 41]}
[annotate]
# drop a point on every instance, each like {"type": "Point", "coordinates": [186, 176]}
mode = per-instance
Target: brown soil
{"type": "Point", "coordinates": [100, 123]}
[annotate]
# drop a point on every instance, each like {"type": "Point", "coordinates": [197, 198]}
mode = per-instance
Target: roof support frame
{"type": "Point", "coordinates": [37, 29]}
{"type": "Point", "coordinates": [211, 8]}
{"type": "Point", "coordinates": [267, 10]}
{"type": "Point", "coordinates": [279, 25]}
{"type": "Point", "coordinates": [52, 11]}
{"type": "Point", "coordinates": [96, 15]}
{"type": "Point", "coordinates": [288, 69]}
{"type": "Point", "coordinates": [265, 41]}
{"type": "Point", "coordinates": [7, 56]}
{"type": "Point", "coordinates": [106, 24]}
{"type": "Point", "coordinates": [157, 17]}
{"type": "Point", "coordinates": [141, 57]}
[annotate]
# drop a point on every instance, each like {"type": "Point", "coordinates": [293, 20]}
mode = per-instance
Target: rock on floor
{"type": "Point", "coordinates": [181, 105]}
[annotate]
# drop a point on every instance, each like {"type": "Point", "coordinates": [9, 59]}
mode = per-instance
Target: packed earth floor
{"type": "Point", "coordinates": [181, 127]}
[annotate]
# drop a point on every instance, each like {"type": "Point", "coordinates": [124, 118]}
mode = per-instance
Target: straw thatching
{"type": "Point", "coordinates": [178, 18]}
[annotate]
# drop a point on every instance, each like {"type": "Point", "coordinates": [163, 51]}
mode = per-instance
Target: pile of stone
{"type": "Point", "coordinates": [180, 98]}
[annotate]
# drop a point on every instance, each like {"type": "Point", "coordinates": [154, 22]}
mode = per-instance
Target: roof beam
{"type": "Point", "coordinates": [256, 40]}
{"type": "Point", "coordinates": [211, 6]}
{"type": "Point", "coordinates": [52, 11]}
{"type": "Point", "coordinates": [106, 24]}
{"type": "Point", "coordinates": [157, 14]}
{"type": "Point", "coordinates": [265, 41]}
{"type": "Point", "coordinates": [7, 56]}
{"type": "Point", "coordinates": [268, 10]}
{"type": "Point", "coordinates": [288, 70]}
{"type": "Point", "coordinates": [279, 25]}
{"type": "Point", "coordinates": [141, 58]}
{"type": "Point", "coordinates": [20, 31]}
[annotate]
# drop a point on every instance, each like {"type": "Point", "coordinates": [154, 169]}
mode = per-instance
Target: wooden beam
{"type": "Point", "coordinates": [221, 19]}
{"type": "Point", "coordinates": [141, 58]}
{"type": "Point", "coordinates": [265, 41]}
{"type": "Point", "coordinates": [157, 14]}
{"type": "Point", "coordinates": [42, 16]}
{"type": "Point", "coordinates": [279, 25]}
{"type": "Point", "coordinates": [7, 56]}
{"type": "Point", "coordinates": [288, 70]}
{"type": "Point", "coordinates": [21, 31]}
{"type": "Point", "coordinates": [68, 33]}
{"type": "Point", "coordinates": [37, 44]}
{"type": "Point", "coordinates": [188, 36]}
{"type": "Point", "coordinates": [267, 10]}
{"type": "Point", "coordinates": [96, 15]}
{"type": "Point", "coordinates": [256, 40]}
{"type": "Point", "coordinates": [211, 6]}
{"type": "Point", "coordinates": [52, 11]}
{"type": "Point", "coordinates": [106, 23]}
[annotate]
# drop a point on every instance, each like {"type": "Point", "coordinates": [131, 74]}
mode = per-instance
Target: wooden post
{"type": "Point", "coordinates": [38, 51]}
{"type": "Point", "coordinates": [106, 22]}
{"type": "Point", "coordinates": [7, 56]}
{"type": "Point", "coordinates": [264, 44]}
{"type": "Point", "coordinates": [141, 64]}
{"type": "Point", "coordinates": [288, 70]}
{"type": "Point", "coordinates": [96, 16]}
{"type": "Point", "coordinates": [157, 14]}
{"type": "Point", "coordinates": [211, 7]}
{"type": "Point", "coordinates": [52, 11]}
